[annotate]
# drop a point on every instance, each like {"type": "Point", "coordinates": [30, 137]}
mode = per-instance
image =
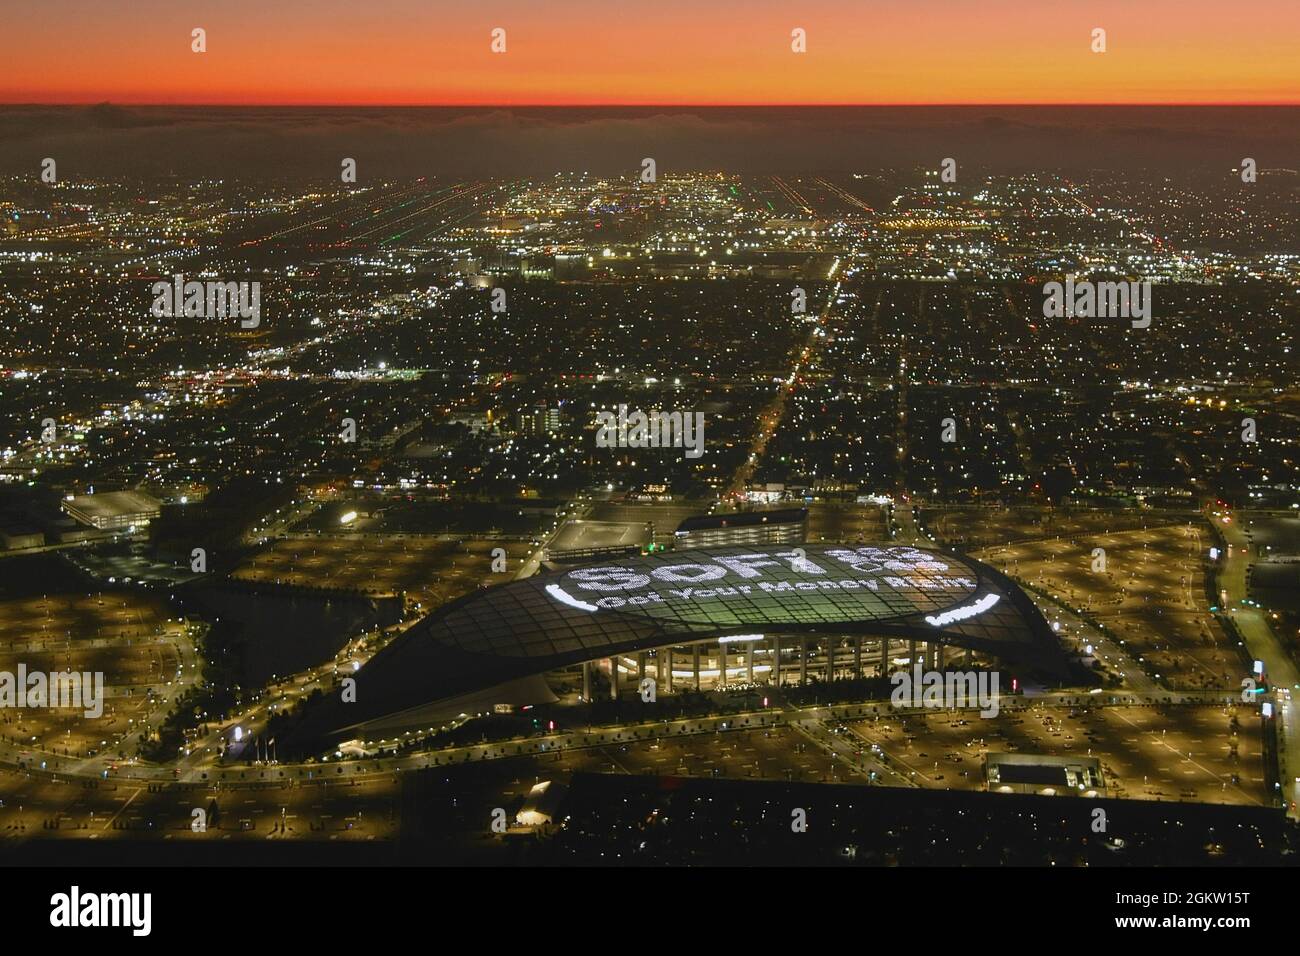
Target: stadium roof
{"type": "Point", "coordinates": [547, 621]}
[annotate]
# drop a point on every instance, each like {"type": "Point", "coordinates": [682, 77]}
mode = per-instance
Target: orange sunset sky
{"type": "Point", "coordinates": [650, 52]}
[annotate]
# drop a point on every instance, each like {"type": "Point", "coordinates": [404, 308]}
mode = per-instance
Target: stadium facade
{"type": "Point", "coordinates": [699, 619]}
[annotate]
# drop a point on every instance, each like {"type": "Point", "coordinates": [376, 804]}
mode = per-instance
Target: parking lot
{"type": "Point", "coordinates": [1171, 753]}
{"type": "Point", "coordinates": [125, 635]}
{"type": "Point", "coordinates": [431, 570]}
{"type": "Point", "coordinates": [1151, 595]}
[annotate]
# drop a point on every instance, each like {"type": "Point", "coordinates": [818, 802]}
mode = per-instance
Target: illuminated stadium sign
{"type": "Point", "coordinates": [720, 585]}
{"type": "Point", "coordinates": [961, 613]}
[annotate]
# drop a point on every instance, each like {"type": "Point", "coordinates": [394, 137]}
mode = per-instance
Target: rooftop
{"type": "Point", "coordinates": [109, 504]}
{"type": "Point", "coordinates": [743, 519]}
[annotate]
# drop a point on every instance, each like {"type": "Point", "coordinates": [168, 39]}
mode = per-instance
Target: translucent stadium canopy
{"type": "Point", "coordinates": [522, 629]}
{"type": "Point", "coordinates": [689, 595]}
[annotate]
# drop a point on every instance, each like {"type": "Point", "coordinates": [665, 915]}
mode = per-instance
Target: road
{"type": "Point", "coordinates": [851, 752]}
{"type": "Point", "coordinates": [806, 719]}
{"type": "Point", "coordinates": [772, 414]}
{"type": "Point", "coordinates": [1263, 645]}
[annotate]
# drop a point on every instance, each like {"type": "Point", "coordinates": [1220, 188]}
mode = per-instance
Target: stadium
{"type": "Point", "coordinates": [705, 619]}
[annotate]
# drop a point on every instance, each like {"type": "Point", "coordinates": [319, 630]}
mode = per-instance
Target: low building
{"type": "Point", "coordinates": [540, 419]}
{"type": "Point", "coordinates": [1044, 775]}
{"type": "Point", "coordinates": [114, 510]}
{"type": "Point", "coordinates": [14, 537]}
{"type": "Point", "coordinates": [785, 526]}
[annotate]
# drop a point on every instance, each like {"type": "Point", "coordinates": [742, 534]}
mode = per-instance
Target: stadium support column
{"type": "Point", "coordinates": [722, 664]}
{"type": "Point", "coordinates": [695, 664]}
{"type": "Point", "coordinates": [830, 659]}
{"type": "Point", "coordinates": [803, 660]}
{"type": "Point", "coordinates": [884, 656]}
{"type": "Point", "coordinates": [586, 682]}
{"type": "Point", "coordinates": [857, 656]}
{"type": "Point", "coordinates": [613, 678]}
{"type": "Point", "coordinates": [938, 656]}
{"type": "Point", "coordinates": [911, 652]}
{"type": "Point", "coordinates": [750, 648]}
{"type": "Point", "coordinates": [640, 666]}
{"type": "Point", "coordinates": [776, 660]}
{"type": "Point", "coordinates": [666, 668]}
